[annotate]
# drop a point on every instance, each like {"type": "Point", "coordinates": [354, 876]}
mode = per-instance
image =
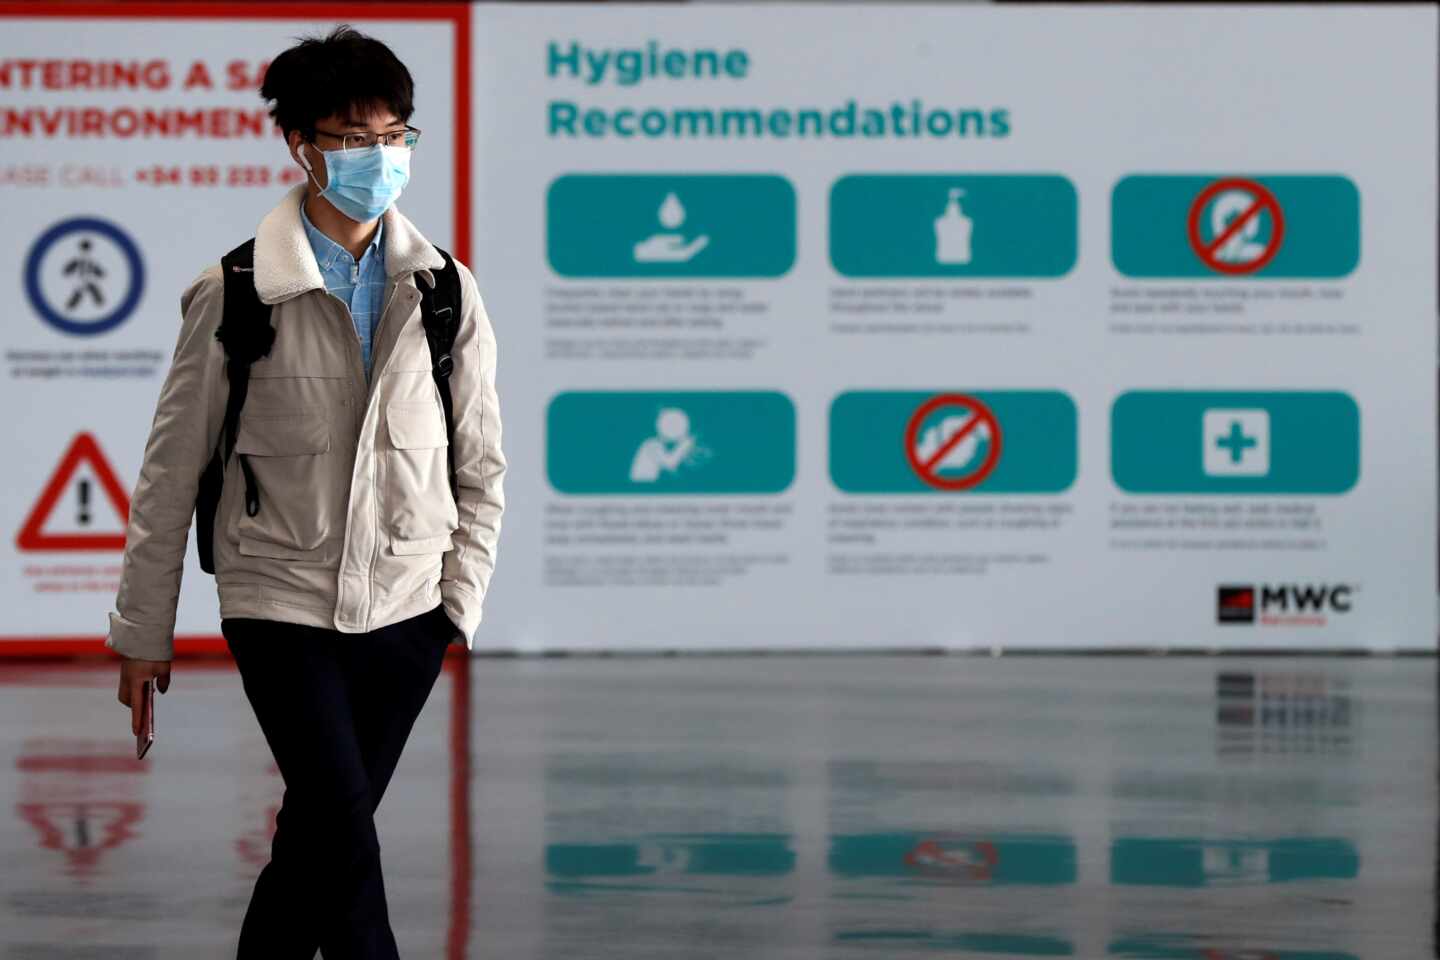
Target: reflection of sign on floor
{"type": "Point", "coordinates": [253, 846]}
{"type": "Point", "coordinates": [953, 442]}
{"type": "Point", "coordinates": [84, 830]}
{"type": "Point", "coordinates": [1189, 947]}
{"type": "Point", "coordinates": [1277, 712]}
{"type": "Point", "coordinates": [1230, 865]}
{"type": "Point", "coordinates": [82, 531]}
{"type": "Point", "coordinates": [898, 940]}
{"type": "Point", "coordinates": [1198, 947]}
{"type": "Point", "coordinates": [80, 796]}
{"type": "Point", "coordinates": [944, 857]}
{"type": "Point", "coordinates": [655, 854]}
{"type": "Point", "coordinates": [972, 860]}
{"type": "Point", "coordinates": [1181, 862]}
{"type": "Point", "coordinates": [1235, 226]}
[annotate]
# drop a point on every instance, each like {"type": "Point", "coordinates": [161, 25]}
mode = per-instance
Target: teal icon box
{"type": "Point", "coordinates": [1199, 442]}
{"type": "Point", "coordinates": [1182, 947]}
{"type": "Point", "coordinates": [956, 943]}
{"type": "Point", "coordinates": [1155, 862]}
{"type": "Point", "coordinates": [1038, 449]}
{"type": "Point", "coordinates": [967, 225]}
{"type": "Point", "coordinates": [1004, 860]}
{"type": "Point", "coordinates": [1320, 234]}
{"type": "Point", "coordinates": [670, 225]}
{"type": "Point", "coordinates": [648, 443]}
{"type": "Point", "coordinates": [736, 855]}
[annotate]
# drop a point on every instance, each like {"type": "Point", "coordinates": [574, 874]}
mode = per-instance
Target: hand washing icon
{"type": "Point", "coordinates": [670, 247]}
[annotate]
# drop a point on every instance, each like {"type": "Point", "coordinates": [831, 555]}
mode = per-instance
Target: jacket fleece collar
{"type": "Point", "coordinates": [285, 264]}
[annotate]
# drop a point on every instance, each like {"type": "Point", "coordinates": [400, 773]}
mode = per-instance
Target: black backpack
{"type": "Point", "coordinates": [246, 335]}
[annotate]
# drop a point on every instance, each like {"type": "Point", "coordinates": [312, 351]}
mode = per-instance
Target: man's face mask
{"type": "Point", "coordinates": [363, 183]}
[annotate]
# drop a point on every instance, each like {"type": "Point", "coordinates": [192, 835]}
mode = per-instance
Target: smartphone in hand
{"type": "Point", "coordinates": [147, 720]}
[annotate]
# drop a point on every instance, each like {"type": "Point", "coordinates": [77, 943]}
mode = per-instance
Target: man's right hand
{"type": "Point", "coordinates": [133, 674]}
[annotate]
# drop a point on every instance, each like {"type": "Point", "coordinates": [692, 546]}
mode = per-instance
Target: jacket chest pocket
{"type": "Point", "coordinates": [420, 512]}
{"type": "Point", "coordinates": [287, 453]}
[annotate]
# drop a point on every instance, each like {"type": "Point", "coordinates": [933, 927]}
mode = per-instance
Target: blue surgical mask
{"type": "Point", "coordinates": [364, 183]}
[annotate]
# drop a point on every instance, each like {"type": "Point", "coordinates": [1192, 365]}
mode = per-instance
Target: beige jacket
{"type": "Point", "coordinates": [357, 527]}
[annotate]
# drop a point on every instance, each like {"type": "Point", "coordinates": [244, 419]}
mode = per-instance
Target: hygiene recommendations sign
{"type": "Point", "coordinates": [930, 327]}
{"type": "Point", "coordinates": [134, 151]}
{"type": "Point", "coordinates": [820, 326]}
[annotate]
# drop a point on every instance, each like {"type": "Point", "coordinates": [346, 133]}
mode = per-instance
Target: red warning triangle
{"type": "Point", "coordinates": [87, 450]}
{"type": "Point", "coordinates": [71, 828]}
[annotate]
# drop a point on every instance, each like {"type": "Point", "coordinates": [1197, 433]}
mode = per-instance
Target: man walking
{"type": "Point", "coordinates": [356, 527]}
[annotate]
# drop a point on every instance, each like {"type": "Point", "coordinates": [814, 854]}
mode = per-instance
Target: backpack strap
{"type": "Point", "coordinates": [246, 333]}
{"type": "Point", "coordinates": [440, 316]}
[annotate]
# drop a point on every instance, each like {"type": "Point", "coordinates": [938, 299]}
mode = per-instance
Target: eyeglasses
{"type": "Point", "coordinates": [406, 138]}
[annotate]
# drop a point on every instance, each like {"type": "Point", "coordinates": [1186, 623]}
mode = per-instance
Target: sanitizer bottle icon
{"type": "Point", "coordinates": [952, 231]}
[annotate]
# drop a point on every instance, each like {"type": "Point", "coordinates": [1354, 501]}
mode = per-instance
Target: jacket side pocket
{"type": "Point", "coordinates": [420, 513]}
{"type": "Point", "coordinates": [285, 452]}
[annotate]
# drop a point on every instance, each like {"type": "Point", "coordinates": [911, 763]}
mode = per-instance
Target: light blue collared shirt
{"type": "Point", "coordinates": [360, 285]}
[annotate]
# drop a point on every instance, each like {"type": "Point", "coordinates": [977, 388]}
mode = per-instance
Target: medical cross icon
{"type": "Point", "coordinates": [1237, 442]}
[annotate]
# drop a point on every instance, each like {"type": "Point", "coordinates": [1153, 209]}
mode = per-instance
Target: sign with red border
{"type": "Point", "coordinates": [1207, 250]}
{"type": "Point", "coordinates": [82, 449]}
{"type": "Point", "coordinates": [928, 469]}
{"type": "Point", "coordinates": [156, 13]}
{"type": "Point", "coordinates": [457, 14]}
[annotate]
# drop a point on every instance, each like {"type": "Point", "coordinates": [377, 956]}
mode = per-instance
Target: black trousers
{"type": "Point", "coordinates": [336, 710]}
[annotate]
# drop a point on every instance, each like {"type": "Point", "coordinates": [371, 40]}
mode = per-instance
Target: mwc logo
{"type": "Point", "coordinates": [1284, 604]}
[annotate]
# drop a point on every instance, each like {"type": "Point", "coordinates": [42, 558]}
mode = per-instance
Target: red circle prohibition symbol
{"type": "Point", "coordinates": [1264, 200]}
{"type": "Point", "coordinates": [976, 861]}
{"type": "Point", "coordinates": [927, 470]}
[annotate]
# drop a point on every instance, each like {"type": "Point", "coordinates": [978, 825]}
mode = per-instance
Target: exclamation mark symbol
{"type": "Point", "coordinates": [84, 503]}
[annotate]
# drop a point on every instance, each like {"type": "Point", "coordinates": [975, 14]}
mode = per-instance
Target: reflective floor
{"type": "Point", "coordinates": [836, 807]}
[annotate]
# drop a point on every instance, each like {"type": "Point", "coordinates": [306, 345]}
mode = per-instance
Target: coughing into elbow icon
{"type": "Point", "coordinates": [673, 446]}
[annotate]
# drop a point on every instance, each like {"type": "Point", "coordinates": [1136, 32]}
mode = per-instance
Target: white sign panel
{"type": "Point", "coordinates": [134, 152]}
{"type": "Point", "coordinates": [961, 327]}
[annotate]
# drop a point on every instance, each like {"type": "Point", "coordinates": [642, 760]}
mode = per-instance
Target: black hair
{"type": "Point", "coordinates": [344, 74]}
